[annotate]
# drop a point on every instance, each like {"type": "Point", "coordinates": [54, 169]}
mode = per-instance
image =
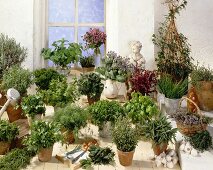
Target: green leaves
{"type": "Point", "coordinates": [87, 61]}
{"type": "Point", "coordinates": [64, 53]}
{"type": "Point", "coordinates": [8, 131]}
{"type": "Point", "coordinates": [158, 130]}
{"type": "Point", "coordinates": [140, 107]}
{"type": "Point", "coordinates": [90, 85]}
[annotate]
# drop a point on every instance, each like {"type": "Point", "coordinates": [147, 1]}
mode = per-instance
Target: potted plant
{"type": "Point", "coordinates": [19, 79]}
{"type": "Point", "coordinates": [91, 86]}
{"type": "Point", "coordinates": [159, 131]}
{"type": "Point", "coordinates": [87, 63]}
{"type": "Point", "coordinates": [94, 38]}
{"type": "Point", "coordinates": [43, 77]}
{"type": "Point", "coordinates": [103, 114]}
{"type": "Point", "coordinates": [173, 56]}
{"type": "Point", "coordinates": [33, 106]}
{"type": "Point", "coordinates": [143, 81]}
{"type": "Point", "coordinates": [63, 53]}
{"type": "Point", "coordinates": [8, 132]}
{"type": "Point", "coordinates": [173, 92]}
{"type": "Point", "coordinates": [126, 138]}
{"type": "Point", "coordinates": [189, 123]}
{"type": "Point", "coordinates": [140, 107]}
{"type": "Point", "coordinates": [71, 119]}
{"type": "Point", "coordinates": [60, 92]}
{"type": "Point", "coordinates": [11, 53]}
{"type": "Point", "coordinates": [114, 68]}
{"type": "Point", "coordinates": [202, 80]}
{"type": "Point", "coordinates": [42, 138]}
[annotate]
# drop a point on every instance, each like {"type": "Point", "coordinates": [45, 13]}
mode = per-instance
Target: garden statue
{"type": "Point", "coordinates": [136, 58]}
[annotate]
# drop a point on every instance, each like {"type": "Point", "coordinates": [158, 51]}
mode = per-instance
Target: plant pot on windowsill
{"type": "Point", "coordinates": [125, 158]}
{"type": "Point", "coordinates": [45, 154]}
{"type": "Point", "coordinates": [159, 148]}
{"type": "Point", "coordinates": [4, 147]}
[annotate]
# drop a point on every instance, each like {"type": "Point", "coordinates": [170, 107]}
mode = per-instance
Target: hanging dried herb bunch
{"type": "Point", "coordinates": [173, 56]}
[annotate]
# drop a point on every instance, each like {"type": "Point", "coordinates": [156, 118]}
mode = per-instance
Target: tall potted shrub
{"type": "Point", "coordinates": [104, 114]}
{"type": "Point", "coordinates": [71, 119]}
{"type": "Point", "coordinates": [125, 137]}
{"type": "Point", "coordinates": [19, 79]}
{"type": "Point", "coordinates": [33, 106]}
{"type": "Point", "coordinates": [91, 86]}
{"type": "Point", "coordinates": [173, 92]}
{"type": "Point", "coordinates": [159, 131]}
{"type": "Point", "coordinates": [202, 80]}
{"type": "Point", "coordinates": [42, 138]}
{"type": "Point", "coordinates": [8, 132]}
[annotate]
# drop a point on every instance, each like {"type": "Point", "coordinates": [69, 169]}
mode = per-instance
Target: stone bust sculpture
{"type": "Point", "coordinates": [136, 58]}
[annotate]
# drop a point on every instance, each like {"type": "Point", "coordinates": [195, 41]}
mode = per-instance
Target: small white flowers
{"type": "Point", "coordinates": [168, 159]}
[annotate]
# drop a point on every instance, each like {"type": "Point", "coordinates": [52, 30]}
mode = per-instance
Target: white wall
{"type": "Point", "coordinates": [129, 20]}
{"type": "Point", "coordinates": [196, 24]}
{"type": "Point", "coordinates": [16, 20]}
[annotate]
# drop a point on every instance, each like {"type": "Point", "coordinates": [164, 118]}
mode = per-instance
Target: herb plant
{"type": "Point", "coordinates": [98, 156]}
{"type": "Point", "coordinates": [115, 67]}
{"type": "Point", "coordinates": [201, 73]}
{"type": "Point", "coordinates": [173, 56]}
{"type": "Point", "coordinates": [11, 53]}
{"type": "Point", "coordinates": [201, 141]}
{"type": "Point", "coordinates": [143, 81]}
{"type": "Point", "coordinates": [90, 85]}
{"type": "Point", "coordinates": [158, 130]}
{"type": "Point", "coordinates": [33, 105]}
{"type": "Point", "coordinates": [104, 110]}
{"type": "Point", "coordinates": [124, 135]}
{"type": "Point", "coordinates": [8, 131]}
{"type": "Point", "coordinates": [44, 76]}
{"type": "Point", "coordinates": [17, 78]}
{"type": "Point", "coordinates": [71, 118]}
{"type": "Point", "coordinates": [43, 135]}
{"type": "Point", "coordinates": [172, 89]}
{"type": "Point", "coordinates": [140, 107]}
{"type": "Point", "coordinates": [63, 53]}
{"type": "Point", "coordinates": [87, 61]}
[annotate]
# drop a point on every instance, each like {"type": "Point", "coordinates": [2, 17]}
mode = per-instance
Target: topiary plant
{"type": "Point", "coordinates": [17, 78]}
{"type": "Point", "coordinates": [11, 53]}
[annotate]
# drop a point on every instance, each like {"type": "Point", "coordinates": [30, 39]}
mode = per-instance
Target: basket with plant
{"type": "Point", "coordinates": [159, 131]}
{"type": "Point", "coordinates": [140, 107]}
{"type": "Point", "coordinates": [71, 119]}
{"type": "Point", "coordinates": [104, 114]}
{"type": "Point", "coordinates": [190, 123]}
{"type": "Point", "coordinates": [8, 132]}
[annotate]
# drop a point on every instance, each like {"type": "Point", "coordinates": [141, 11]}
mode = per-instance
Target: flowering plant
{"type": "Point", "coordinates": [143, 81]}
{"type": "Point", "coordinates": [94, 38]}
{"type": "Point", "coordinates": [115, 67]}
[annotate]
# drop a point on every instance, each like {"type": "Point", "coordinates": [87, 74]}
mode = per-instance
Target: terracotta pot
{"type": "Point", "coordinates": [158, 149]}
{"type": "Point", "coordinates": [93, 100]}
{"type": "Point", "coordinates": [205, 95]}
{"type": "Point", "coordinates": [192, 96]}
{"type": "Point", "coordinates": [3, 98]}
{"type": "Point", "coordinates": [4, 147]}
{"type": "Point", "coordinates": [45, 154]}
{"type": "Point", "coordinates": [125, 158]}
{"type": "Point", "coordinates": [68, 136]}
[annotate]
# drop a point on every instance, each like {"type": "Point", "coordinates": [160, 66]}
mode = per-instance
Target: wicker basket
{"type": "Point", "coordinates": [189, 130]}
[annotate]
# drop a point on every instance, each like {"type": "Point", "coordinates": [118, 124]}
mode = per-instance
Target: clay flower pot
{"type": "Point", "coordinates": [93, 100]}
{"type": "Point", "coordinates": [125, 158]}
{"type": "Point", "coordinates": [158, 149]}
{"type": "Point", "coordinates": [45, 154]}
{"type": "Point", "coordinates": [4, 147]}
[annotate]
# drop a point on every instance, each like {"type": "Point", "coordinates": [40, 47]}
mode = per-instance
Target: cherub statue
{"type": "Point", "coordinates": [136, 58]}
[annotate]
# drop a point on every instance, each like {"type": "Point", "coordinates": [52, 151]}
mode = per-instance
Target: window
{"type": "Point", "coordinates": [70, 19]}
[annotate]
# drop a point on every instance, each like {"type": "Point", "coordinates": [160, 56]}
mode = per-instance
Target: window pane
{"type": "Point", "coordinates": [91, 11]}
{"type": "Point", "coordinates": [81, 32]}
{"type": "Point", "coordinates": [62, 11]}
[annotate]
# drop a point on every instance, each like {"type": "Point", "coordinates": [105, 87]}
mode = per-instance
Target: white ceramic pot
{"type": "Point", "coordinates": [110, 89]}
{"type": "Point", "coordinates": [160, 99]}
{"type": "Point", "coordinates": [171, 105]}
{"type": "Point", "coordinates": [104, 131]}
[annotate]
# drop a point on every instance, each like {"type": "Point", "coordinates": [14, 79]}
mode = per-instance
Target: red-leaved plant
{"type": "Point", "coordinates": [143, 81]}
